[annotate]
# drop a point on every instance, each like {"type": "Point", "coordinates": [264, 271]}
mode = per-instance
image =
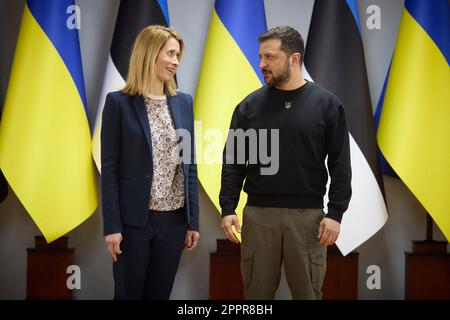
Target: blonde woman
{"type": "Point", "coordinates": [149, 197]}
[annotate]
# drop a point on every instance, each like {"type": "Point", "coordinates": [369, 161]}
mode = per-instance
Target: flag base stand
{"type": "Point", "coordinates": [341, 279]}
{"type": "Point", "coordinates": [225, 280]}
{"type": "Point", "coordinates": [427, 269]}
{"type": "Point", "coordinates": [47, 270]}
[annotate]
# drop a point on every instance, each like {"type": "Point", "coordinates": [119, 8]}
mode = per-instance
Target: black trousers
{"type": "Point", "coordinates": [150, 257]}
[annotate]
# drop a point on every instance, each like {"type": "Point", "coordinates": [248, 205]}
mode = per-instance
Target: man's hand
{"type": "Point", "coordinates": [227, 223]}
{"type": "Point", "coordinates": [328, 231]}
{"type": "Point", "coordinates": [191, 240]}
{"type": "Point", "coordinates": [113, 242]}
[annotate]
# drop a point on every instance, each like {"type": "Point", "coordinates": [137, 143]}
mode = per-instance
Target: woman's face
{"type": "Point", "coordinates": [167, 61]}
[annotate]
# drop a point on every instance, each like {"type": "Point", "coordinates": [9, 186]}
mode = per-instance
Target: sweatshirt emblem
{"type": "Point", "coordinates": [288, 104]}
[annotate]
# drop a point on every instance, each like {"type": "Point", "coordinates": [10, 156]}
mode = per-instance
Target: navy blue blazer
{"type": "Point", "coordinates": [127, 163]}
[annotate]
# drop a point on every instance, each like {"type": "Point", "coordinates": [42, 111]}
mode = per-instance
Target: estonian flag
{"type": "Point", "coordinates": [334, 58]}
{"type": "Point", "coordinates": [132, 17]}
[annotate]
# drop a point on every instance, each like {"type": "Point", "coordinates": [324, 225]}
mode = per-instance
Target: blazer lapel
{"type": "Point", "coordinates": [175, 110]}
{"type": "Point", "coordinates": [141, 111]}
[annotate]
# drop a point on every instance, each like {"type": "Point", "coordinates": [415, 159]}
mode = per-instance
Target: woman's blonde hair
{"type": "Point", "coordinates": [141, 72]}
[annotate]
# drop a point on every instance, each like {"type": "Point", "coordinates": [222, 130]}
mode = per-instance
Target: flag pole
{"type": "Point", "coordinates": [429, 227]}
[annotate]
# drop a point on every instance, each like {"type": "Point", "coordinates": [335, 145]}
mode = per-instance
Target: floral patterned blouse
{"type": "Point", "coordinates": [167, 191]}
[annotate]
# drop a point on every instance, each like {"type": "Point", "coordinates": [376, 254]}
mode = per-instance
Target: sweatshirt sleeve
{"type": "Point", "coordinates": [233, 171]}
{"type": "Point", "coordinates": [339, 167]}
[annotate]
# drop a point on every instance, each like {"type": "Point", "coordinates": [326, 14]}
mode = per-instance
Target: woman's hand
{"type": "Point", "coordinates": [113, 242]}
{"type": "Point", "coordinates": [191, 240]}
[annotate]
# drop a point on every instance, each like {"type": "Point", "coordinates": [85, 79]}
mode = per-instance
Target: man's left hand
{"type": "Point", "coordinates": [328, 231]}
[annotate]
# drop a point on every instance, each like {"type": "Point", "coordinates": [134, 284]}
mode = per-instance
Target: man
{"type": "Point", "coordinates": [283, 218]}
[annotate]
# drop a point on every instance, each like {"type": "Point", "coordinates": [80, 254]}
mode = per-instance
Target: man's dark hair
{"type": "Point", "coordinates": [291, 40]}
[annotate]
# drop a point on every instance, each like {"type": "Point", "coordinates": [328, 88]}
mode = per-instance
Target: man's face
{"type": "Point", "coordinates": [273, 62]}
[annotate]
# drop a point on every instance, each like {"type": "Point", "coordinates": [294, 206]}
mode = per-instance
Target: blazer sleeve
{"type": "Point", "coordinates": [193, 176]}
{"type": "Point", "coordinates": [110, 149]}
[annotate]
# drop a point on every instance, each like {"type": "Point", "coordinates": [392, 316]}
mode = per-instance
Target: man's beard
{"type": "Point", "coordinates": [283, 77]}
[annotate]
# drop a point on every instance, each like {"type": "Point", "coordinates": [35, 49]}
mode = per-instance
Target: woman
{"type": "Point", "coordinates": [149, 197]}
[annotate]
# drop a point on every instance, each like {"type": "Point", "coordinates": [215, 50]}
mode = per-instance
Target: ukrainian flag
{"type": "Point", "coordinates": [414, 133]}
{"type": "Point", "coordinates": [229, 73]}
{"type": "Point", "coordinates": [45, 139]}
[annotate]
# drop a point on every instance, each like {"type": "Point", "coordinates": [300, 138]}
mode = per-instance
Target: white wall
{"type": "Point", "coordinates": [191, 18]}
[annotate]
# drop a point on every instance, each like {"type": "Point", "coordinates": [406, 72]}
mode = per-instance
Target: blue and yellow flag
{"type": "Point", "coordinates": [45, 144]}
{"type": "Point", "coordinates": [414, 133]}
{"type": "Point", "coordinates": [229, 73]}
